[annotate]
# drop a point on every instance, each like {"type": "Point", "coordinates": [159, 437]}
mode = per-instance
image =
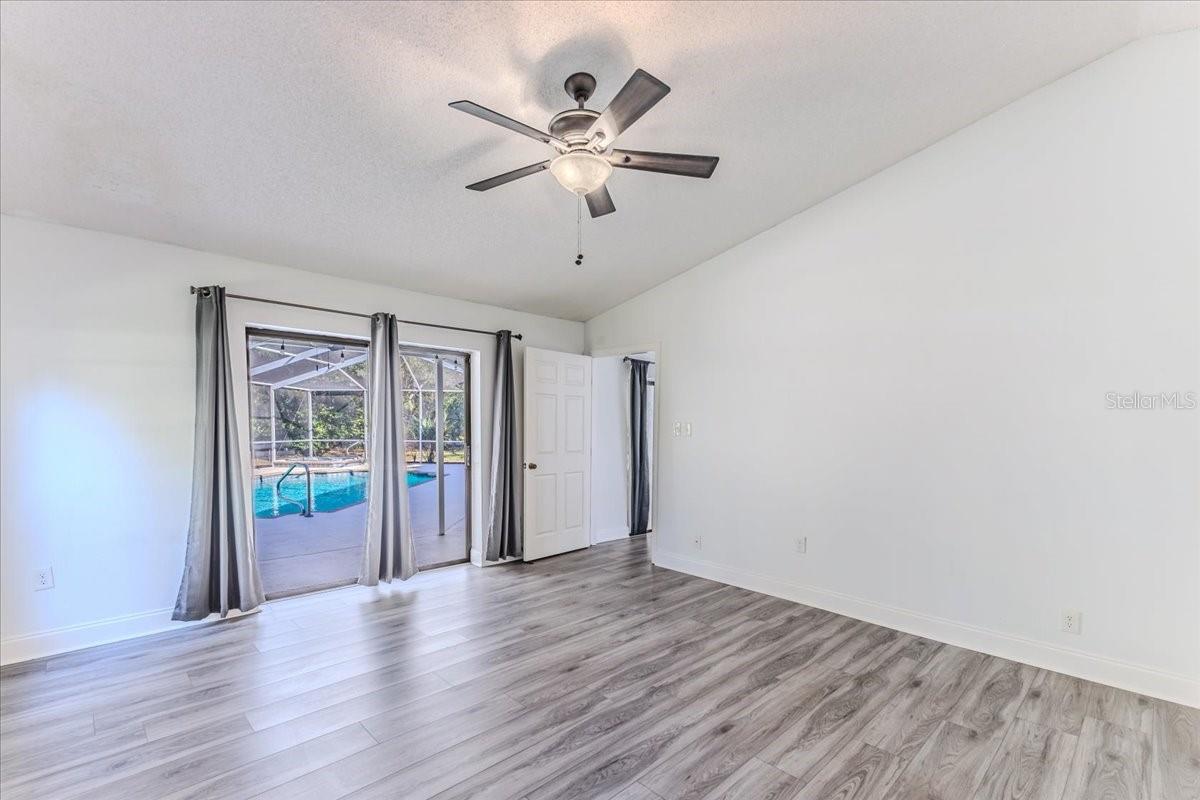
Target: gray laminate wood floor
{"type": "Point", "coordinates": [589, 675]}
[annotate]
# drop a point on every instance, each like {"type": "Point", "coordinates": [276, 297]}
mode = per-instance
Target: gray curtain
{"type": "Point", "coordinates": [639, 454]}
{"type": "Point", "coordinates": [388, 552]}
{"type": "Point", "coordinates": [220, 569]}
{"type": "Point", "coordinates": [504, 527]}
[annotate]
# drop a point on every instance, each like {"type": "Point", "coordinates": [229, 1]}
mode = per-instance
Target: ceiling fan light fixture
{"type": "Point", "coordinates": [580, 171]}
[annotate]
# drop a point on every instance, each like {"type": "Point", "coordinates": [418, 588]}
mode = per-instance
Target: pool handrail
{"type": "Point", "coordinates": [308, 506]}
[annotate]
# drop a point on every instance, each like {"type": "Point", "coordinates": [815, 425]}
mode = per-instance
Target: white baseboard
{"type": "Point", "coordinates": [26, 647]}
{"type": "Point", "coordinates": [1123, 675]}
{"type": "Point", "coordinates": [610, 534]}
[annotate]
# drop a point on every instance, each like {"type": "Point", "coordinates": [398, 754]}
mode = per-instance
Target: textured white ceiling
{"type": "Point", "coordinates": [318, 136]}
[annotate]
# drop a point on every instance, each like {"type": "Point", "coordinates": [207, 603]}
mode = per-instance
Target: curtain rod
{"type": "Point", "coordinates": [194, 289]}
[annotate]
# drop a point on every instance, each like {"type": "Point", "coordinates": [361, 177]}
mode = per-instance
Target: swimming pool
{"type": "Point", "coordinates": [331, 492]}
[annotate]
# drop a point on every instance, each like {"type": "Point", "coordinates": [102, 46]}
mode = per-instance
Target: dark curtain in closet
{"type": "Point", "coordinates": [639, 452]}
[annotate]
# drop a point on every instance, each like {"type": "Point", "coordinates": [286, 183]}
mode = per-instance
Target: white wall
{"type": "Point", "coordinates": [97, 348]}
{"type": "Point", "coordinates": [609, 492]}
{"type": "Point", "coordinates": [929, 354]}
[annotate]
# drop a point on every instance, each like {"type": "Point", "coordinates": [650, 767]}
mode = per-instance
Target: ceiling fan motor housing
{"type": "Point", "coordinates": [572, 125]}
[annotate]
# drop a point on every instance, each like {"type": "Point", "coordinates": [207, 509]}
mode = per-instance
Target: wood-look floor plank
{"type": "Point", "coordinates": [818, 737]}
{"type": "Point", "coordinates": [636, 791]}
{"type": "Point", "coordinates": [418, 764]}
{"type": "Point", "coordinates": [757, 780]}
{"type": "Point", "coordinates": [430, 711]}
{"type": "Point", "coordinates": [1130, 710]}
{"type": "Point", "coordinates": [857, 772]}
{"type": "Point", "coordinates": [1033, 763]}
{"type": "Point", "coordinates": [378, 691]}
{"type": "Point", "coordinates": [70, 700]}
{"type": "Point", "coordinates": [731, 741]}
{"type": "Point", "coordinates": [97, 772]}
{"type": "Point", "coordinates": [563, 675]}
{"type": "Point", "coordinates": [273, 770]}
{"type": "Point", "coordinates": [63, 755]}
{"type": "Point", "coordinates": [1058, 701]}
{"type": "Point", "coordinates": [313, 682]}
{"type": "Point", "coordinates": [1175, 773]}
{"type": "Point", "coordinates": [871, 642]}
{"type": "Point", "coordinates": [1111, 762]}
{"type": "Point", "coordinates": [23, 742]}
{"type": "Point", "coordinates": [990, 703]}
{"type": "Point", "coordinates": [950, 766]}
{"type": "Point", "coordinates": [917, 710]}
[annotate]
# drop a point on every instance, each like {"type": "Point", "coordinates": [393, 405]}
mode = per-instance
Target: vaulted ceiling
{"type": "Point", "coordinates": [318, 135]}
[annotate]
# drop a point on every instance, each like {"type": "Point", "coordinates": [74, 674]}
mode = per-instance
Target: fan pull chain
{"type": "Point", "coordinates": [579, 231]}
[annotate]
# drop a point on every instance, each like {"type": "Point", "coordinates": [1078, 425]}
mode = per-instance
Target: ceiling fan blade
{"type": "Point", "coordinates": [500, 180]}
{"type": "Point", "coordinates": [637, 96]}
{"type": "Point", "coordinates": [600, 202]}
{"type": "Point", "coordinates": [670, 163]}
{"type": "Point", "coordinates": [476, 110]}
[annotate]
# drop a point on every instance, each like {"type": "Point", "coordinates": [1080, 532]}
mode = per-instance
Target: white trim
{"type": "Point", "coordinates": [52, 642]}
{"type": "Point", "coordinates": [1121, 674]}
{"type": "Point", "coordinates": [609, 534]}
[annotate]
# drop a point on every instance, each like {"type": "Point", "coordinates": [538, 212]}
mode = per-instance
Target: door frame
{"type": "Point", "coordinates": [468, 440]}
{"type": "Point", "coordinates": [626, 350]}
{"type": "Point", "coordinates": [250, 331]}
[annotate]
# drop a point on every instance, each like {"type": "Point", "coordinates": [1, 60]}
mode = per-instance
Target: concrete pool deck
{"type": "Point", "coordinates": [298, 554]}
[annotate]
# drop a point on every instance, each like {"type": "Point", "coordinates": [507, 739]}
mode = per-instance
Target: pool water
{"type": "Point", "coordinates": [331, 492]}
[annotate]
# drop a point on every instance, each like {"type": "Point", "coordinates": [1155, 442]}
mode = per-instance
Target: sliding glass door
{"type": "Point", "coordinates": [308, 419]}
{"type": "Point", "coordinates": [308, 414]}
{"type": "Point", "coordinates": [436, 400]}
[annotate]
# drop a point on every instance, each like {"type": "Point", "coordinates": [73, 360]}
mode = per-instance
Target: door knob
{"type": "Point", "coordinates": [531, 465]}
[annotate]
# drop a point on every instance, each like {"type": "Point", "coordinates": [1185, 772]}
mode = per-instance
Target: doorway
{"type": "Point", "coordinates": [621, 432]}
{"type": "Point", "coordinates": [308, 440]}
{"type": "Point", "coordinates": [437, 391]}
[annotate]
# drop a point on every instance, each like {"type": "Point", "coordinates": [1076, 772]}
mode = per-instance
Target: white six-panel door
{"type": "Point", "coordinates": [558, 418]}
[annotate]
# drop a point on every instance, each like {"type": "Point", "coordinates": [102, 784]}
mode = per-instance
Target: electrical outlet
{"type": "Point", "coordinates": [677, 429]}
{"type": "Point", "coordinates": [43, 579]}
{"type": "Point", "coordinates": [802, 544]}
{"type": "Point", "coordinates": [1072, 622]}
{"type": "Point", "coordinates": [687, 429]}
{"type": "Point", "coordinates": [697, 542]}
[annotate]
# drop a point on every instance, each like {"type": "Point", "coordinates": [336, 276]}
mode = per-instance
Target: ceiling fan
{"type": "Point", "coordinates": [583, 141]}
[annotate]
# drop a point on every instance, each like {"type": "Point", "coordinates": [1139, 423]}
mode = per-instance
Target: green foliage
{"type": "Point", "coordinates": [260, 413]}
{"type": "Point", "coordinates": [424, 427]}
{"type": "Point", "coordinates": [456, 417]}
{"type": "Point", "coordinates": [291, 414]}
{"type": "Point", "coordinates": [338, 416]}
